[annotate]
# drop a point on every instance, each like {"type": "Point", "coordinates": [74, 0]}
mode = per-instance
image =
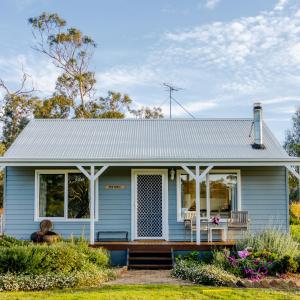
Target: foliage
{"type": "Point", "coordinates": [8, 241]}
{"type": "Point", "coordinates": [56, 107]}
{"type": "Point", "coordinates": [60, 258]}
{"type": "Point", "coordinates": [203, 273]}
{"type": "Point", "coordinates": [148, 113]}
{"type": "Point", "coordinates": [114, 105]}
{"type": "Point", "coordinates": [70, 50]}
{"type": "Point", "coordinates": [286, 264]}
{"type": "Point", "coordinates": [295, 213]}
{"type": "Point", "coordinates": [276, 242]}
{"type": "Point", "coordinates": [292, 146]}
{"type": "Point", "coordinates": [90, 278]}
{"type": "Point", "coordinates": [292, 138]}
{"type": "Point", "coordinates": [295, 232]}
{"type": "Point", "coordinates": [16, 114]}
{"type": "Point", "coordinates": [157, 292]}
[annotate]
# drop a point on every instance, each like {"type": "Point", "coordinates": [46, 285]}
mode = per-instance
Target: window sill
{"type": "Point", "coordinates": [64, 220]}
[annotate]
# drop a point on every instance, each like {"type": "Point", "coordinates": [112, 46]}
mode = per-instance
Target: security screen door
{"type": "Point", "coordinates": [149, 205]}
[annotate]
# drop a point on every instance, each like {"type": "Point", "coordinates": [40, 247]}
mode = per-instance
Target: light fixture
{"type": "Point", "coordinates": [172, 174]}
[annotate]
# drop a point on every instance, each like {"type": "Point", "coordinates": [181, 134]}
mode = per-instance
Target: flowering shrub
{"type": "Point", "coordinates": [203, 274]}
{"type": "Point", "coordinates": [11, 282]}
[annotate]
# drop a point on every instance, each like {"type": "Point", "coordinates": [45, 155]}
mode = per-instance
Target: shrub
{"type": "Point", "coordinates": [97, 256]}
{"type": "Point", "coordinates": [277, 242]}
{"type": "Point", "coordinates": [93, 278]}
{"type": "Point", "coordinates": [7, 241]}
{"type": "Point", "coordinates": [57, 258]}
{"type": "Point", "coordinates": [295, 232]}
{"type": "Point", "coordinates": [286, 264]}
{"type": "Point", "coordinates": [203, 274]}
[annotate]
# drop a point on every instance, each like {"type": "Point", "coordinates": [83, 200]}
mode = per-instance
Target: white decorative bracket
{"type": "Point", "coordinates": [92, 176]}
{"type": "Point", "coordinates": [293, 171]}
{"type": "Point", "coordinates": [198, 177]}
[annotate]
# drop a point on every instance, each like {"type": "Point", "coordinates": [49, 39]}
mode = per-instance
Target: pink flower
{"type": "Point", "coordinates": [215, 220]}
{"type": "Point", "coordinates": [243, 254]}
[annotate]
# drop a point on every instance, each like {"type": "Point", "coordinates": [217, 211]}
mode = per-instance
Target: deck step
{"type": "Point", "coordinates": [149, 259]}
{"type": "Point", "coordinates": [152, 267]}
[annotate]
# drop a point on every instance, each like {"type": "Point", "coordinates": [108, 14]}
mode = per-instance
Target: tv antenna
{"type": "Point", "coordinates": [171, 88]}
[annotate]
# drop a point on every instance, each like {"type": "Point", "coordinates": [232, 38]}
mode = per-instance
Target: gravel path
{"type": "Point", "coordinates": [147, 277]}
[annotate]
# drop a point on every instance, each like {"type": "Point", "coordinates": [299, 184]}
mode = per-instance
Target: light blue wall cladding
{"type": "Point", "coordinates": [264, 195]}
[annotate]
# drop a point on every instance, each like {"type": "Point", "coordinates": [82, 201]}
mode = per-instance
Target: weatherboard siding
{"type": "Point", "coordinates": [264, 196]}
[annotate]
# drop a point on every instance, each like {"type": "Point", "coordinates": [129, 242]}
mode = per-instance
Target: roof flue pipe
{"type": "Point", "coordinates": [258, 126]}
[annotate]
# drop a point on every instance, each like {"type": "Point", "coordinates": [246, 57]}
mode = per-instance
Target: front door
{"type": "Point", "coordinates": [150, 204]}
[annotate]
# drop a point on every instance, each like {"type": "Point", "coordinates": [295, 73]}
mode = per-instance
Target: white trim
{"type": "Point", "coordinates": [165, 210]}
{"type": "Point", "coordinates": [65, 172]}
{"type": "Point", "coordinates": [150, 163]}
{"type": "Point", "coordinates": [214, 171]}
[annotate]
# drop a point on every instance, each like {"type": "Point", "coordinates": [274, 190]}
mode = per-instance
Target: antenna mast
{"type": "Point", "coordinates": [171, 89]}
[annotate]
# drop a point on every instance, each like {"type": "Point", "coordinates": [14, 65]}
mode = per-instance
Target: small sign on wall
{"type": "Point", "coordinates": [115, 187]}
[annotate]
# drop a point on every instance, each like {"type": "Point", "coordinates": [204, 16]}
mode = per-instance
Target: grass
{"type": "Point", "coordinates": [295, 232]}
{"type": "Point", "coordinates": [157, 292]}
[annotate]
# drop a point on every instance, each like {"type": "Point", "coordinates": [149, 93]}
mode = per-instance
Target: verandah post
{"type": "Point", "coordinates": [92, 179]}
{"type": "Point", "coordinates": [92, 206]}
{"type": "Point", "coordinates": [198, 237]}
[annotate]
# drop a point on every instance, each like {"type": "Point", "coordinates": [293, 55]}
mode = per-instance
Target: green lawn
{"type": "Point", "coordinates": [155, 292]}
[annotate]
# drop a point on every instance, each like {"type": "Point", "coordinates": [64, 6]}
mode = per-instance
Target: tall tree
{"type": "Point", "coordinates": [55, 107]}
{"type": "Point", "coordinates": [148, 113]}
{"type": "Point", "coordinates": [292, 146]}
{"type": "Point", "coordinates": [71, 51]}
{"type": "Point", "coordinates": [16, 110]}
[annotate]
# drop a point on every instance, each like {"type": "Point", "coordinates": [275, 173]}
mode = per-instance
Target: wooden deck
{"type": "Point", "coordinates": [163, 245]}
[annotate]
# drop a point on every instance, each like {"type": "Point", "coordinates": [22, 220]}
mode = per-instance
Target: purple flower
{"type": "Point", "coordinates": [243, 254]}
{"type": "Point", "coordinates": [215, 220]}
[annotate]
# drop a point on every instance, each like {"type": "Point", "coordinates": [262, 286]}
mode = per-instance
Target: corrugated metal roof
{"type": "Point", "coordinates": [135, 139]}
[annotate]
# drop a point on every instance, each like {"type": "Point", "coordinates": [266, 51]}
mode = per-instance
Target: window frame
{"type": "Point", "coordinates": [38, 218]}
{"type": "Point", "coordinates": [180, 172]}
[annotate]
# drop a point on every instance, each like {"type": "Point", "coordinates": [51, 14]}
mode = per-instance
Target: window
{"type": "Point", "coordinates": [222, 197]}
{"type": "Point", "coordinates": [63, 195]}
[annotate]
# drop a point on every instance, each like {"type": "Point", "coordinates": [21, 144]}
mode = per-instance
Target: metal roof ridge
{"type": "Point", "coordinates": [141, 120]}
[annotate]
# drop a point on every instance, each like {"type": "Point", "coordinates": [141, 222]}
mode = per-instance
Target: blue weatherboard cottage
{"type": "Point", "coordinates": [147, 184]}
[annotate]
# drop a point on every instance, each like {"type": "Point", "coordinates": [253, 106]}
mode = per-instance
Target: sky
{"type": "Point", "coordinates": [223, 54]}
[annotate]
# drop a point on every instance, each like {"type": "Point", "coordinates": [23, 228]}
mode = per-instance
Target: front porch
{"type": "Point", "coordinates": [164, 245]}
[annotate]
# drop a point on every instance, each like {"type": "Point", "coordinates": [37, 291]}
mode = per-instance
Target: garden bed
{"type": "Point", "coordinates": [27, 266]}
{"type": "Point", "coordinates": [269, 259]}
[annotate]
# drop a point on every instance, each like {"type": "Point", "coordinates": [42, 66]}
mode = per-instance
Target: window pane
{"type": "Point", "coordinates": [78, 196]}
{"type": "Point", "coordinates": [188, 195]}
{"type": "Point", "coordinates": [51, 195]}
{"type": "Point", "coordinates": [223, 194]}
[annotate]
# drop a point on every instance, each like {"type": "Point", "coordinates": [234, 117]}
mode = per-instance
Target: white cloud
{"type": "Point", "coordinates": [125, 77]}
{"type": "Point", "coordinates": [211, 4]}
{"type": "Point", "coordinates": [280, 5]}
{"type": "Point", "coordinates": [280, 100]}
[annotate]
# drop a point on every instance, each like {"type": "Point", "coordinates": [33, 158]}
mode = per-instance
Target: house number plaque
{"type": "Point", "coordinates": [115, 187]}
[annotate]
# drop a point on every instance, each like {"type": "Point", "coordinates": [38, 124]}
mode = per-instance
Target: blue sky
{"type": "Point", "coordinates": [225, 54]}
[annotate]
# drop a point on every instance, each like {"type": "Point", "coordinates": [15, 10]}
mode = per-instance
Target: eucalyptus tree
{"type": "Point", "coordinates": [71, 51]}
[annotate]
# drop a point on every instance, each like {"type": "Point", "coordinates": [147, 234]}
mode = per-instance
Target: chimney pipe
{"type": "Point", "coordinates": [257, 126]}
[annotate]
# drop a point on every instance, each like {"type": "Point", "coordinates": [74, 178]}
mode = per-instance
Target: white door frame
{"type": "Point", "coordinates": [165, 211]}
